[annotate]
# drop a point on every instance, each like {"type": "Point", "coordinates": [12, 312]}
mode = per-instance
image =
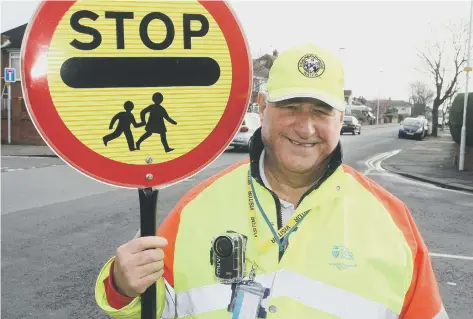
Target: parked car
{"type": "Point", "coordinates": [426, 124]}
{"type": "Point", "coordinates": [351, 124]}
{"type": "Point", "coordinates": [413, 128]}
{"type": "Point", "coordinates": [250, 124]}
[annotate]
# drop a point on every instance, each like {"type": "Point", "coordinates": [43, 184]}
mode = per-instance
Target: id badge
{"type": "Point", "coordinates": [246, 300]}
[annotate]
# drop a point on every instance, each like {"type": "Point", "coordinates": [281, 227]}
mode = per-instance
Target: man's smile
{"type": "Point", "coordinates": [301, 144]}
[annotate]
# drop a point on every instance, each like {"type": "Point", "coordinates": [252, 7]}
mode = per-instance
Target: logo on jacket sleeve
{"type": "Point", "coordinates": [311, 66]}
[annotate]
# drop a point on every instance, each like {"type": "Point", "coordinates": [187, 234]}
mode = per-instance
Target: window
{"type": "Point", "coordinates": [15, 61]}
{"type": "Point", "coordinates": [412, 122]}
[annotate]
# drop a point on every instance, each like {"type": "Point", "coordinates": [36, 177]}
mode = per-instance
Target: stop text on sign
{"type": "Point", "coordinates": [78, 25]}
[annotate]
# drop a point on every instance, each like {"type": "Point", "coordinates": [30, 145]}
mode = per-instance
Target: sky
{"type": "Point", "coordinates": [377, 41]}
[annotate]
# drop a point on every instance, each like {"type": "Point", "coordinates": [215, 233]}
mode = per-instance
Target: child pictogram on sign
{"type": "Point", "coordinates": [125, 120]}
{"type": "Point", "coordinates": [155, 123]}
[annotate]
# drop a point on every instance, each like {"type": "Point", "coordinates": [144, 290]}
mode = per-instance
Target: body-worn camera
{"type": "Point", "coordinates": [227, 255]}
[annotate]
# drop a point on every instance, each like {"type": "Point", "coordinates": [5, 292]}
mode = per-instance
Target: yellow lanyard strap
{"type": "Point", "coordinates": [282, 235]}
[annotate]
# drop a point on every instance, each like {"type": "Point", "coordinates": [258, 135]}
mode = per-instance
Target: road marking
{"type": "Point", "coordinates": [451, 283]}
{"type": "Point", "coordinates": [374, 163]}
{"type": "Point", "coordinates": [379, 161]}
{"type": "Point", "coordinates": [7, 169]}
{"type": "Point", "coordinates": [451, 256]}
{"type": "Point", "coordinates": [28, 157]}
{"type": "Point", "coordinates": [375, 168]}
{"type": "Point", "coordinates": [369, 163]}
{"type": "Point", "coordinates": [405, 180]}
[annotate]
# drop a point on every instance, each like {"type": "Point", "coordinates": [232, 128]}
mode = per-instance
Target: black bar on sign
{"type": "Point", "coordinates": [121, 72]}
{"type": "Point", "coordinates": [148, 216]}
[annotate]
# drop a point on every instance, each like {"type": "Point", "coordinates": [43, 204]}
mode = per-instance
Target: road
{"type": "Point", "coordinates": [59, 227]}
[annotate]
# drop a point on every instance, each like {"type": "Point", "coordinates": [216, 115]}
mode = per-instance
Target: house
{"type": "Point", "coordinates": [23, 130]}
{"type": "Point", "coordinates": [403, 108]}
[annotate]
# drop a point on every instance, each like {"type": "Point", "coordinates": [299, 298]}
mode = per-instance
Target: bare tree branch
{"type": "Point", "coordinates": [437, 58]}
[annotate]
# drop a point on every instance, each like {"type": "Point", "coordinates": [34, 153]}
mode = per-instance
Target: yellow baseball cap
{"type": "Point", "coordinates": [307, 71]}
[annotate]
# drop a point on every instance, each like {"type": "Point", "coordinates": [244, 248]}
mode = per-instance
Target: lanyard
{"type": "Point", "coordinates": [282, 235]}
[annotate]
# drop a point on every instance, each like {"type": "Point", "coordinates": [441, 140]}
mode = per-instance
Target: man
{"type": "Point", "coordinates": [324, 241]}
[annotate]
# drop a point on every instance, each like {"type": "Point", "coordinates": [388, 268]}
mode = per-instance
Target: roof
{"type": "Point", "coordinates": [389, 103]}
{"type": "Point", "coordinates": [405, 104]}
{"type": "Point", "coordinates": [354, 107]}
{"type": "Point", "coordinates": [15, 36]}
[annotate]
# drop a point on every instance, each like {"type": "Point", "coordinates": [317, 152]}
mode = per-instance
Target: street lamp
{"type": "Point", "coordinates": [377, 111]}
{"type": "Point", "coordinates": [343, 65]}
{"type": "Point", "coordinates": [379, 83]}
{"type": "Point", "coordinates": [340, 56]}
{"type": "Point", "coordinates": [468, 69]}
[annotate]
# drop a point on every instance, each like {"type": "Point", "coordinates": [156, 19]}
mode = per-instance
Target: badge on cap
{"type": "Point", "coordinates": [311, 66]}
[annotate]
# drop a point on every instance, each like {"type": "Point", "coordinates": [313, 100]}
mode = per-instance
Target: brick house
{"type": "Point", "coordinates": [23, 130]}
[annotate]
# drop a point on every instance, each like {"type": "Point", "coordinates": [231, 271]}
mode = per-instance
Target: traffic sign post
{"type": "Point", "coordinates": [136, 94]}
{"type": "Point", "coordinates": [9, 111]}
{"type": "Point", "coordinates": [9, 76]}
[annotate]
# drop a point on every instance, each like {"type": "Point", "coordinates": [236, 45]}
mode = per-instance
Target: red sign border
{"type": "Point", "coordinates": [52, 129]}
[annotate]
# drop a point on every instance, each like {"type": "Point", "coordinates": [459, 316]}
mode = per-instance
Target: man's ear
{"type": "Point", "coordinates": [261, 100]}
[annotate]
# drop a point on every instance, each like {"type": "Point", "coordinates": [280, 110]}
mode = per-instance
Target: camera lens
{"type": "Point", "coordinates": [223, 247]}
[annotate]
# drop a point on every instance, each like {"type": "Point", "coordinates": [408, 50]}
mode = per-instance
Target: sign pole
{"type": "Point", "coordinates": [148, 213]}
{"type": "Point", "coordinates": [9, 113]}
{"type": "Point", "coordinates": [461, 162]}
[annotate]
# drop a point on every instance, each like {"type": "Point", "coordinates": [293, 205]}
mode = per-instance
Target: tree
{"type": "Point", "coordinates": [359, 101]}
{"type": "Point", "coordinates": [444, 61]}
{"type": "Point", "coordinates": [420, 96]}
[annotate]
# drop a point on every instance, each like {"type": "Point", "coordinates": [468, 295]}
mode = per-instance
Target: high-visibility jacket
{"type": "Point", "coordinates": [356, 255]}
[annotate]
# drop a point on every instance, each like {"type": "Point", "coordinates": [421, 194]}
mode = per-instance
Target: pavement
{"type": "Point", "coordinates": [27, 150]}
{"type": "Point", "coordinates": [431, 161]}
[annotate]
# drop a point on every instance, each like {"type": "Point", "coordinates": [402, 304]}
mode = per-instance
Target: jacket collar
{"type": "Point", "coordinates": [256, 147]}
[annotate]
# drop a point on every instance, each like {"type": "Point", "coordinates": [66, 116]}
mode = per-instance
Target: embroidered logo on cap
{"type": "Point", "coordinates": [311, 66]}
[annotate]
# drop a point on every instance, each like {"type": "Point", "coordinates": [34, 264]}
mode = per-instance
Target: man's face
{"type": "Point", "coordinates": [300, 133]}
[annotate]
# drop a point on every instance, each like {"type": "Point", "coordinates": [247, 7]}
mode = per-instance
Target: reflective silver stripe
{"type": "Point", "coordinates": [210, 298]}
{"type": "Point", "coordinates": [289, 284]}
{"type": "Point", "coordinates": [329, 299]}
{"type": "Point", "coordinates": [442, 314]}
{"type": "Point", "coordinates": [169, 311]}
{"type": "Point", "coordinates": [203, 299]}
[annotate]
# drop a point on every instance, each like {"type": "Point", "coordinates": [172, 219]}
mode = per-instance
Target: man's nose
{"type": "Point", "coordinates": [305, 125]}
